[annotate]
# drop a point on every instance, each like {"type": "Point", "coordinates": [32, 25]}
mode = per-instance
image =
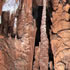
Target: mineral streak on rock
{"type": "Point", "coordinates": [44, 41]}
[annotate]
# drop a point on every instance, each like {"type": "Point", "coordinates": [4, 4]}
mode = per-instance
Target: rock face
{"type": "Point", "coordinates": [6, 54]}
{"type": "Point", "coordinates": [61, 35]}
{"type": "Point", "coordinates": [26, 30]}
{"type": "Point", "coordinates": [44, 41]}
{"type": "Point", "coordinates": [36, 65]}
{"type": "Point", "coordinates": [19, 52]}
{"type": "Point", "coordinates": [20, 49]}
{"type": "Point", "coordinates": [7, 23]}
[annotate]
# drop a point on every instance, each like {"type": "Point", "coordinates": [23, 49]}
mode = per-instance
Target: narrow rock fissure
{"type": "Point", "coordinates": [48, 28]}
{"type": "Point", "coordinates": [48, 31]}
{"type": "Point", "coordinates": [69, 11]}
{"type": "Point", "coordinates": [37, 14]}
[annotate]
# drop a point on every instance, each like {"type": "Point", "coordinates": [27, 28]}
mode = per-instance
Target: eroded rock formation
{"type": "Point", "coordinates": [18, 32]}
{"type": "Point", "coordinates": [60, 35]}
{"type": "Point", "coordinates": [44, 41]}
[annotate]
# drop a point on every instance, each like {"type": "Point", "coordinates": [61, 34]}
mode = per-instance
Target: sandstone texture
{"type": "Point", "coordinates": [18, 33]}
{"type": "Point", "coordinates": [61, 35]}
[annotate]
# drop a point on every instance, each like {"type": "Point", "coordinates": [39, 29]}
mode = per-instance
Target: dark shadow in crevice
{"type": "Point", "coordinates": [69, 11]}
{"type": "Point", "coordinates": [48, 28]}
{"type": "Point", "coordinates": [49, 11]}
{"type": "Point", "coordinates": [37, 14]}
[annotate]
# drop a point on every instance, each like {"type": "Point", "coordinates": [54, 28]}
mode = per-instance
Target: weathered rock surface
{"type": "Point", "coordinates": [44, 41]}
{"type": "Point", "coordinates": [61, 35]}
{"type": "Point", "coordinates": [19, 50]}
{"type": "Point", "coordinates": [17, 53]}
{"type": "Point", "coordinates": [26, 30]}
{"type": "Point", "coordinates": [7, 54]}
{"type": "Point", "coordinates": [36, 65]}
